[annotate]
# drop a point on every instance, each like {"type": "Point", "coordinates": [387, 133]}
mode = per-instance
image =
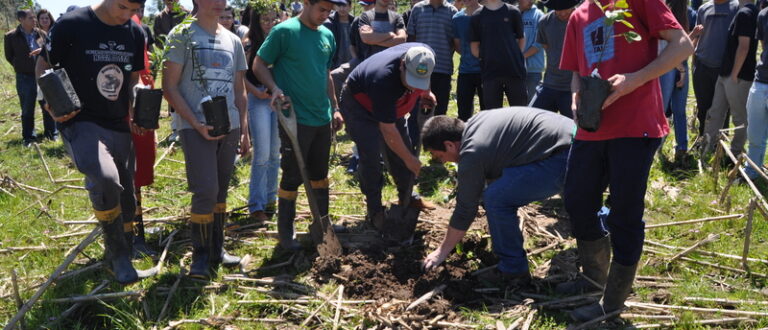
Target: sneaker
{"type": "Point", "coordinates": [352, 166]}
{"type": "Point", "coordinates": [174, 137]}
{"type": "Point", "coordinates": [28, 143]}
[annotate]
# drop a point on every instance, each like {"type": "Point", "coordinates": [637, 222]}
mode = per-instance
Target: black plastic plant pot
{"type": "Point", "coordinates": [58, 92]}
{"type": "Point", "coordinates": [146, 110]}
{"type": "Point", "coordinates": [594, 91]}
{"type": "Point", "coordinates": [216, 114]}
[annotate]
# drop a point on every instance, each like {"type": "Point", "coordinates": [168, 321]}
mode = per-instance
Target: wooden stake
{"type": "Point", "coordinates": [338, 307]}
{"type": "Point", "coordinates": [170, 295]}
{"type": "Point", "coordinates": [696, 309]}
{"type": "Point", "coordinates": [723, 301]}
{"type": "Point", "coordinates": [92, 297]}
{"type": "Point", "coordinates": [16, 296]}
{"type": "Point", "coordinates": [426, 296]}
{"type": "Point", "coordinates": [68, 260]}
{"type": "Point", "coordinates": [709, 239]}
{"type": "Point", "coordinates": [687, 222]}
{"type": "Point", "coordinates": [748, 233]}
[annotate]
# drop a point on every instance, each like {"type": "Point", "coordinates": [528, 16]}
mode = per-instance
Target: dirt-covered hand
{"type": "Point", "coordinates": [433, 260]}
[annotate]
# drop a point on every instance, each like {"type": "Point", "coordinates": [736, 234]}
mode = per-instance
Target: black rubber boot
{"type": "Point", "coordinates": [202, 241]}
{"type": "Point", "coordinates": [140, 247]}
{"type": "Point", "coordinates": [595, 257]}
{"type": "Point", "coordinates": [617, 289]}
{"type": "Point", "coordinates": [117, 252]}
{"type": "Point", "coordinates": [218, 254]}
{"type": "Point", "coordinates": [286, 213]}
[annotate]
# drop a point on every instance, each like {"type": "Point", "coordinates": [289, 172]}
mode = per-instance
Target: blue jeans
{"type": "Point", "coordinates": [26, 88]}
{"type": "Point", "coordinates": [518, 186]}
{"type": "Point", "coordinates": [757, 130]}
{"type": "Point", "coordinates": [553, 100]}
{"type": "Point", "coordinates": [623, 164]}
{"type": "Point", "coordinates": [532, 80]}
{"type": "Point", "coordinates": [262, 123]}
{"type": "Point", "coordinates": [674, 99]}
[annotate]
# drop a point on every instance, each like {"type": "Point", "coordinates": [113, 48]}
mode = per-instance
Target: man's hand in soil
{"type": "Point", "coordinates": [621, 84]}
{"type": "Point", "coordinates": [337, 122]}
{"type": "Point", "coordinates": [60, 119]}
{"type": "Point", "coordinates": [433, 260]}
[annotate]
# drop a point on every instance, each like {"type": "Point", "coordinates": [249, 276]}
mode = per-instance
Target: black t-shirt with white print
{"type": "Point", "coordinates": [99, 60]}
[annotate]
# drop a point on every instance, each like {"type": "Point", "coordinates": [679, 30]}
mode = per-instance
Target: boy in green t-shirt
{"type": "Point", "coordinates": [300, 51]}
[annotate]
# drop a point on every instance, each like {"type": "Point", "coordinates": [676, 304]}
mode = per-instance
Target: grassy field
{"type": "Point", "coordinates": [30, 216]}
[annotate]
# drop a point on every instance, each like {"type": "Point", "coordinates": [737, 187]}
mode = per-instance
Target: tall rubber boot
{"type": "Point", "coordinates": [286, 213]}
{"type": "Point", "coordinates": [117, 251]}
{"type": "Point", "coordinates": [617, 289]}
{"type": "Point", "coordinates": [218, 254]}
{"type": "Point", "coordinates": [595, 257]}
{"type": "Point", "coordinates": [140, 247]}
{"type": "Point", "coordinates": [201, 227]}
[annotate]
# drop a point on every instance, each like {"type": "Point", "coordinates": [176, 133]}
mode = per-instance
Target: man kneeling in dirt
{"type": "Point", "coordinates": [377, 96]}
{"type": "Point", "coordinates": [521, 152]}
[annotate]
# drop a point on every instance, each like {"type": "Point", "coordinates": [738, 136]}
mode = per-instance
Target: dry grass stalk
{"type": "Point", "coordinates": [748, 233]}
{"type": "Point", "coordinates": [687, 222]}
{"type": "Point", "coordinates": [708, 239]}
{"type": "Point", "coordinates": [311, 315]}
{"type": "Point", "coordinates": [529, 320]}
{"type": "Point", "coordinates": [92, 297]}
{"type": "Point", "coordinates": [74, 307]}
{"type": "Point", "coordinates": [55, 275]}
{"type": "Point", "coordinates": [167, 151]}
{"type": "Point", "coordinates": [707, 253]}
{"type": "Point", "coordinates": [170, 295]}
{"type": "Point", "coordinates": [427, 296]}
{"type": "Point", "coordinates": [696, 309]}
{"type": "Point", "coordinates": [723, 301]}
{"type": "Point", "coordinates": [699, 322]}
{"type": "Point", "coordinates": [337, 315]}
{"type": "Point", "coordinates": [590, 323]}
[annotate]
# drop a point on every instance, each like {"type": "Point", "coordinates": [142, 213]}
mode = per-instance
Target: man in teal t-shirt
{"type": "Point", "coordinates": [300, 51]}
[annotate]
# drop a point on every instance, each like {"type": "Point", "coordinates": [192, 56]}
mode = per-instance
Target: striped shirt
{"type": "Point", "coordinates": [433, 26]}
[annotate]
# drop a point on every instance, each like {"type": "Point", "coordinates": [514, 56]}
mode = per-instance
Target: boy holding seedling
{"type": "Point", "coordinates": [103, 68]}
{"type": "Point", "coordinates": [205, 59]}
{"type": "Point", "coordinates": [620, 152]}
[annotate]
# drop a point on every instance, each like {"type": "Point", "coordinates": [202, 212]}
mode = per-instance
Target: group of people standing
{"type": "Point", "coordinates": [382, 75]}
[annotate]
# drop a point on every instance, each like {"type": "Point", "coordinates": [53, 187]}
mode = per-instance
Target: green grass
{"type": "Point", "coordinates": [168, 197]}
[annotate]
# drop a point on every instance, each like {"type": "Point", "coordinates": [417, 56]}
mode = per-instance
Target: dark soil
{"type": "Point", "coordinates": [393, 275]}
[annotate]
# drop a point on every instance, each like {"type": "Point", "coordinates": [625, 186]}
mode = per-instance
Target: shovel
{"type": "Point", "coordinates": [402, 217]}
{"type": "Point", "coordinates": [320, 230]}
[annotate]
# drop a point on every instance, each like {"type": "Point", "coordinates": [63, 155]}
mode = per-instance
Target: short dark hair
{"type": "Point", "coordinates": [439, 129]}
{"type": "Point", "coordinates": [23, 13]}
{"type": "Point", "coordinates": [141, 2]}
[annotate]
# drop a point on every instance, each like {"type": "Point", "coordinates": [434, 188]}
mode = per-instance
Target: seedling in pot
{"type": "Point", "coordinates": [594, 89]}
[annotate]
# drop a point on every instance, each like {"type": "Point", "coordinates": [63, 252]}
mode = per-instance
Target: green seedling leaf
{"type": "Point", "coordinates": [628, 24]}
{"type": "Point", "coordinates": [622, 4]}
{"type": "Point", "coordinates": [460, 248]}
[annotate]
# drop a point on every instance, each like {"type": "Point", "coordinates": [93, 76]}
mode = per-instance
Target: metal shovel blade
{"type": "Point", "coordinates": [320, 230]}
{"type": "Point", "coordinates": [401, 222]}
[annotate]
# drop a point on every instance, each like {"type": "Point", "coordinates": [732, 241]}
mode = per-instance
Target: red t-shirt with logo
{"type": "Point", "coordinates": [640, 113]}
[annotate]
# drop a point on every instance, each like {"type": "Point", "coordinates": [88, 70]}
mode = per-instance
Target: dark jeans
{"type": "Point", "coordinates": [553, 100]}
{"type": "Point", "coordinates": [26, 88]}
{"type": "Point", "coordinates": [704, 82]}
{"type": "Point", "coordinates": [440, 84]}
{"type": "Point", "coordinates": [503, 197]}
{"type": "Point", "coordinates": [315, 144]}
{"type": "Point", "coordinates": [364, 131]}
{"type": "Point", "coordinates": [623, 165]}
{"type": "Point", "coordinates": [495, 89]}
{"type": "Point", "coordinates": [467, 86]}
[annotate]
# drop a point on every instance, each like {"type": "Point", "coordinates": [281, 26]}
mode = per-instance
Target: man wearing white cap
{"type": "Point", "coordinates": [377, 96]}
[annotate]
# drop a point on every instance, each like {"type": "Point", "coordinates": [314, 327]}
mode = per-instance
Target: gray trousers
{"type": "Point", "coordinates": [209, 167]}
{"type": "Point", "coordinates": [364, 131]}
{"type": "Point", "coordinates": [107, 160]}
{"type": "Point", "coordinates": [728, 94]}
